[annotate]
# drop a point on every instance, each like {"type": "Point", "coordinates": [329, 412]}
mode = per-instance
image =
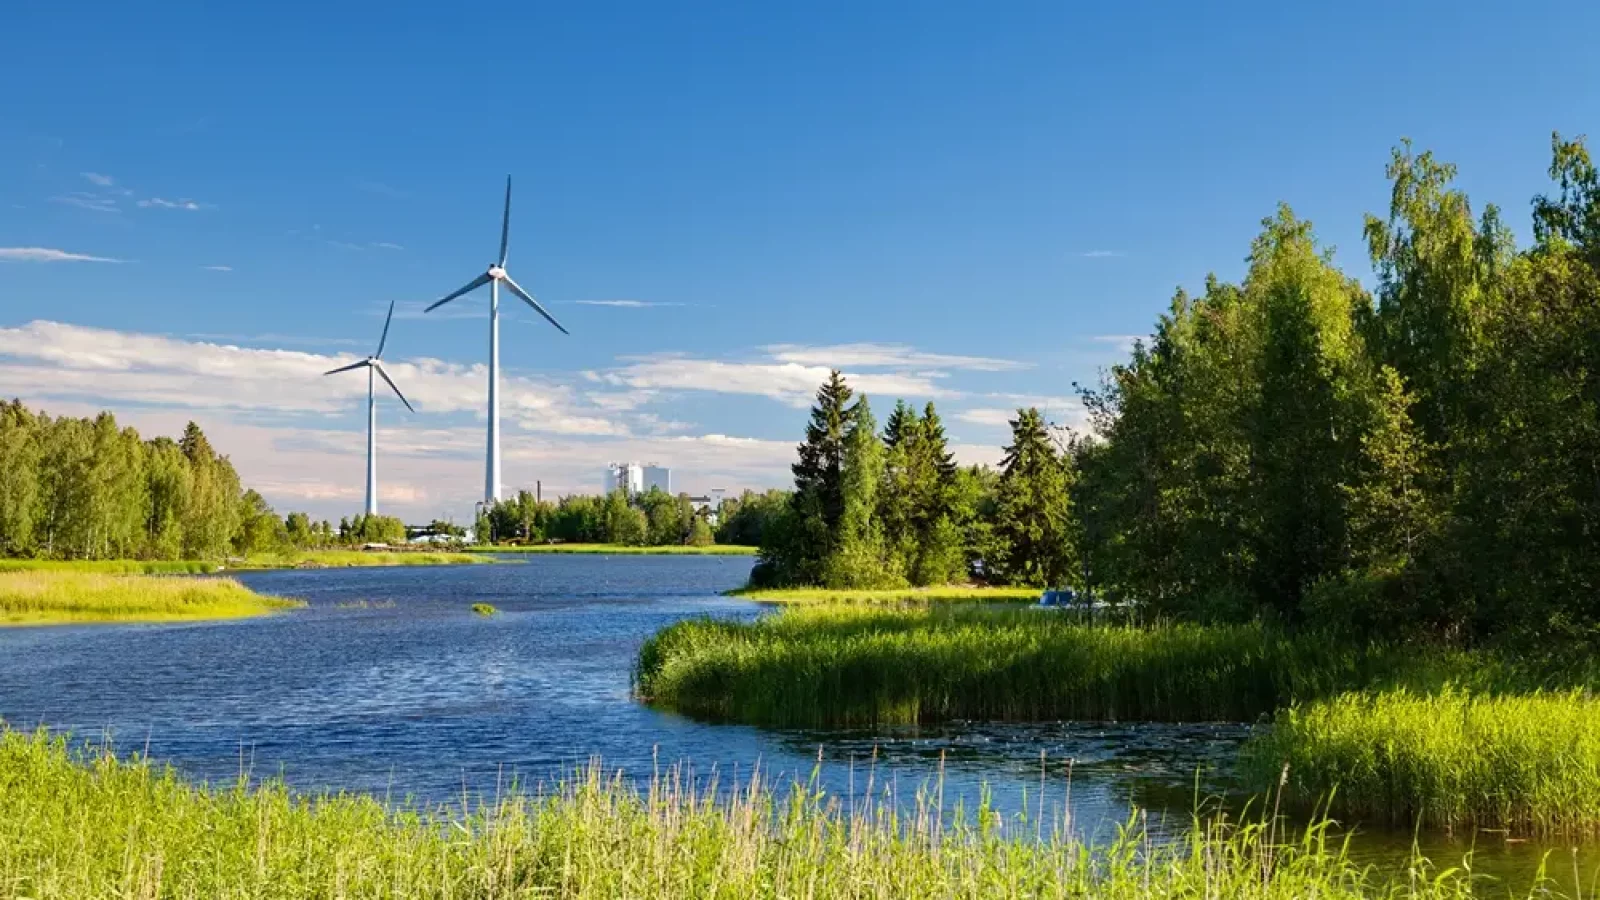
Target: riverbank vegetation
{"type": "Point", "coordinates": [652, 519]}
{"type": "Point", "coordinates": [941, 594]}
{"type": "Point", "coordinates": [96, 826]}
{"type": "Point", "coordinates": [863, 665]}
{"type": "Point", "coordinates": [54, 597]}
{"type": "Point", "coordinates": [1451, 759]}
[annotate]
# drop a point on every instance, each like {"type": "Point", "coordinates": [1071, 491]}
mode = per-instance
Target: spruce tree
{"type": "Point", "coordinates": [818, 471]}
{"type": "Point", "coordinates": [1032, 508]}
{"type": "Point", "coordinates": [858, 558]}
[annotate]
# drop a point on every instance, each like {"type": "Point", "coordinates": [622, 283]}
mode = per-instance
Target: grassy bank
{"type": "Point", "coordinates": [50, 597]}
{"type": "Point", "coordinates": [947, 594]}
{"type": "Point", "coordinates": [620, 549]}
{"type": "Point", "coordinates": [1449, 760]}
{"type": "Point", "coordinates": [833, 665]}
{"type": "Point", "coordinates": [339, 559]}
{"type": "Point", "coordinates": [111, 566]}
{"type": "Point", "coordinates": [114, 829]}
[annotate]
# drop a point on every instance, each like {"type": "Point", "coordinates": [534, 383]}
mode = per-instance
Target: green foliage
{"type": "Point", "coordinates": [746, 518]}
{"type": "Point", "coordinates": [1449, 760]}
{"type": "Point", "coordinates": [484, 609]}
{"type": "Point", "coordinates": [97, 826]}
{"type": "Point", "coordinates": [1032, 509]}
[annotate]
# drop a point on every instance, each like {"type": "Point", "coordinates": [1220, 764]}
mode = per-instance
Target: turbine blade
{"type": "Point", "coordinates": [354, 365]}
{"type": "Point", "coordinates": [379, 366]}
{"type": "Point", "coordinates": [505, 225]}
{"type": "Point", "coordinates": [476, 283]}
{"type": "Point", "coordinates": [386, 321]}
{"type": "Point", "coordinates": [517, 289]}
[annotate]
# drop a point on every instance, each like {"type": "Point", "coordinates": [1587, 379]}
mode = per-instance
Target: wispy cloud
{"type": "Point", "coordinates": [385, 245]}
{"type": "Point", "coordinates": [625, 304]}
{"type": "Point", "coordinates": [184, 204]}
{"type": "Point", "coordinates": [48, 255]}
{"type": "Point", "coordinates": [1102, 254]}
{"type": "Point", "coordinates": [98, 179]}
{"type": "Point", "coordinates": [218, 268]}
{"type": "Point", "coordinates": [886, 356]}
{"type": "Point", "coordinates": [89, 201]}
{"type": "Point", "coordinates": [369, 245]}
{"type": "Point", "coordinates": [1123, 342]}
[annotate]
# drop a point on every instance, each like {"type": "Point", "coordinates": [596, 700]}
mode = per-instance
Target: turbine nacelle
{"type": "Point", "coordinates": [496, 271]}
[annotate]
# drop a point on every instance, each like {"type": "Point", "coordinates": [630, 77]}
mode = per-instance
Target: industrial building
{"type": "Point", "coordinates": [636, 479]}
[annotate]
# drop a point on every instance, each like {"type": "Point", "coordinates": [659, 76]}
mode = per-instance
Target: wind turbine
{"type": "Point", "coordinates": [494, 277]}
{"type": "Point", "coordinates": [373, 365]}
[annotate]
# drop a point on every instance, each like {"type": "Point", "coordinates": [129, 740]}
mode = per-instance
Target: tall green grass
{"type": "Point", "coordinates": [620, 549]}
{"type": "Point", "coordinates": [43, 597]}
{"type": "Point", "coordinates": [104, 828]}
{"type": "Point", "coordinates": [111, 566]}
{"type": "Point", "coordinates": [944, 594]}
{"type": "Point", "coordinates": [861, 665]}
{"type": "Point", "coordinates": [1449, 760]}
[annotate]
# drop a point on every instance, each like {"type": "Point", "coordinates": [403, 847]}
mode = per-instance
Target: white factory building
{"type": "Point", "coordinates": [636, 479]}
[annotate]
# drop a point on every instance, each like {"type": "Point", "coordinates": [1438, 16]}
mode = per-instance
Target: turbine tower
{"type": "Point", "coordinates": [374, 366]}
{"type": "Point", "coordinates": [494, 277]}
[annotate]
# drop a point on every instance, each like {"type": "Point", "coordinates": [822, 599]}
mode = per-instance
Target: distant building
{"type": "Point", "coordinates": [658, 477]}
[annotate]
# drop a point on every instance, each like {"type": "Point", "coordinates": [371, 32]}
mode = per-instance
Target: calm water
{"type": "Point", "coordinates": [419, 696]}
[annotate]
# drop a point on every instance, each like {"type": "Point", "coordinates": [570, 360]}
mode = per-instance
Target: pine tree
{"type": "Point", "coordinates": [1032, 508]}
{"type": "Point", "coordinates": [818, 471]}
{"type": "Point", "coordinates": [858, 558]}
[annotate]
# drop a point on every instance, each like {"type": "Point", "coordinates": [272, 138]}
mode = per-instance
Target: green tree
{"type": "Point", "coordinates": [1032, 508]}
{"type": "Point", "coordinates": [859, 557]}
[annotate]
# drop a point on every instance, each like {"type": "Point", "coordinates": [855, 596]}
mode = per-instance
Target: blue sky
{"type": "Point", "coordinates": [718, 200]}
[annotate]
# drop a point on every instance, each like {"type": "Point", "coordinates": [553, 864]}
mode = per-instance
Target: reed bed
{"type": "Point", "coordinates": [93, 826]}
{"type": "Point", "coordinates": [1447, 760]}
{"type": "Point", "coordinates": [944, 594]}
{"type": "Point", "coordinates": [621, 549]}
{"type": "Point", "coordinates": [833, 665]}
{"type": "Point", "coordinates": [42, 597]}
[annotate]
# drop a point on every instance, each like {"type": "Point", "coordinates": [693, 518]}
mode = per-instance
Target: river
{"type": "Point", "coordinates": [388, 683]}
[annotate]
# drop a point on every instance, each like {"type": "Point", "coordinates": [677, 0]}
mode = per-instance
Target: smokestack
{"type": "Point", "coordinates": [538, 491]}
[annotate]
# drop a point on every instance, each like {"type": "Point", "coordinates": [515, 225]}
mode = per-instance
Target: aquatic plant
{"type": "Point", "coordinates": [334, 559]}
{"type": "Point", "coordinates": [1451, 759]}
{"type": "Point", "coordinates": [92, 825]}
{"type": "Point", "coordinates": [838, 665]}
{"type": "Point", "coordinates": [49, 596]}
{"type": "Point", "coordinates": [484, 609]}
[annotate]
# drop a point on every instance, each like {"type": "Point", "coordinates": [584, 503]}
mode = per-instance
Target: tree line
{"type": "Point", "coordinates": [649, 518]}
{"type": "Point", "coordinates": [1293, 447]}
{"type": "Point", "coordinates": [87, 488]}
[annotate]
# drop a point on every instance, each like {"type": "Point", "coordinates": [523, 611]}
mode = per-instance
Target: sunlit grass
{"type": "Point", "coordinates": [56, 596]}
{"type": "Point", "coordinates": [620, 549]}
{"type": "Point", "coordinates": [103, 828]}
{"type": "Point", "coordinates": [945, 594]}
{"type": "Point", "coordinates": [1451, 759]}
{"type": "Point", "coordinates": [337, 559]}
{"type": "Point", "coordinates": [484, 609]}
{"type": "Point", "coordinates": [863, 665]}
{"type": "Point", "coordinates": [111, 566]}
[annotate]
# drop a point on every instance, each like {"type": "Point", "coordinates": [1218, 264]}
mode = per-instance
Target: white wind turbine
{"type": "Point", "coordinates": [373, 365]}
{"type": "Point", "coordinates": [494, 277]}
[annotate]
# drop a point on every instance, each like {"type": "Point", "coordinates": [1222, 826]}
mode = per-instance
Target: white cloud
{"type": "Point", "coordinates": [86, 200]}
{"type": "Point", "coordinates": [95, 178]}
{"type": "Point", "coordinates": [993, 418]}
{"type": "Point", "coordinates": [46, 254]}
{"type": "Point", "coordinates": [1066, 411]}
{"type": "Point", "coordinates": [183, 204]}
{"type": "Point", "coordinates": [786, 382]}
{"type": "Point", "coordinates": [1123, 342]}
{"type": "Point", "coordinates": [218, 268]}
{"type": "Point", "coordinates": [869, 355]}
{"type": "Point", "coordinates": [624, 304]}
{"type": "Point", "coordinates": [1102, 254]}
{"type": "Point", "coordinates": [385, 245]}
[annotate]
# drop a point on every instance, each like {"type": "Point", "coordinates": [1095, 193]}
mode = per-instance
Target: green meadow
{"type": "Point", "coordinates": [939, 594]}
{"type": "Point", "coordinates": [43, 597]}
{"type": "Point", "coordinates": [90, 825]}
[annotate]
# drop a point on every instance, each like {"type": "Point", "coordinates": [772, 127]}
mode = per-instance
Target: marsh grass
{"type": "Point", "coordinates": [42, 597]}
{"type": "Point", "coordinates": [337, 559]}
{"type": "Point", "coordinates": [621, 549]}
{"type": "Point", "coordinates": [945, 594]}
{"type": "Point", "coordinates": [1447, 760]}
{"type": "Point", "coordinates": [111, 566]}
{"type": "Point", "coordinates": [96, 827]}
{"type": "Point", "coordinates": [484, 609]}
{"type": "Point", "coordinates": [840, 665]}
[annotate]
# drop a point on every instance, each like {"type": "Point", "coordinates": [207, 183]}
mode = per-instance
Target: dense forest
{"type": "Point", "coordinates": [88, 489]}
{"type": "Point", "coordinates": [651, 518]}
{"type": "Point", "coordinates": [1294, 447]}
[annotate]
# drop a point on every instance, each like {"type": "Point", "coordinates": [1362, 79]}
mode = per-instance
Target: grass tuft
{"type": "Point", "coordinates": [96, 826]}
{"type": "Point", "coordinates": [484, 609]}
{"type": "Point", "coordinates": [945, 594]}
{"type": "Point", "coordinates": [43, 597]}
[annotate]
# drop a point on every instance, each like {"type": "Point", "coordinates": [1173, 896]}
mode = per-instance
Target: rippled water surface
{"type": "Point", "coordinates": [388, 683]}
